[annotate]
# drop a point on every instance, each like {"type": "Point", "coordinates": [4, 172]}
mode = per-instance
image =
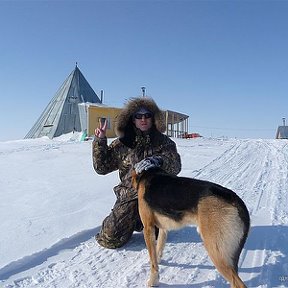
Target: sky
{"type": "Point", "coordinates": [223, 63]}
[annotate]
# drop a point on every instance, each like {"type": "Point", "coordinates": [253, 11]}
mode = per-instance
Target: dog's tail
{"type": "Point", "coordinates": [224, 233]}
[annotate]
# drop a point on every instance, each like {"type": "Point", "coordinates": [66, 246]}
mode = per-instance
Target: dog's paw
{"type": "Point", "coordinates": [153, 280]}
{"type": "Point", "coordinates": [149, 284]}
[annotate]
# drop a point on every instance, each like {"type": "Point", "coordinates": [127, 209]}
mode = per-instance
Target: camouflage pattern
{"type": "Point", "coordinates": [117, 228]}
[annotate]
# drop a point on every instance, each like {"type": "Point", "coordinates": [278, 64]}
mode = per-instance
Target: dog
{"type": "Point", "coordinates": [170, 202]}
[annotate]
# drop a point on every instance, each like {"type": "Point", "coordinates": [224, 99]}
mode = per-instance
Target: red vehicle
{"type": "Point", "coordinates": [191, 135]}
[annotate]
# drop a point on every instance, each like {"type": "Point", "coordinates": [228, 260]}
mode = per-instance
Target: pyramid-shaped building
{"type": "Point", "coordinates": [62, 114]}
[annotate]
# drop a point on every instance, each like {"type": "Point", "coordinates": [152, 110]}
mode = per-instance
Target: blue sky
{"type": "Point", "coordinates": [224, 63]}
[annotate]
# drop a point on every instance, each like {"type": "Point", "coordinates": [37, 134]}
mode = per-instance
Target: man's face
{"type": "Point", "coordinates": [143, 121]}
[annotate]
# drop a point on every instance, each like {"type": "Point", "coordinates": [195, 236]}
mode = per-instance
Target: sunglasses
{"type": "Point", "coordinates": [145, 115]}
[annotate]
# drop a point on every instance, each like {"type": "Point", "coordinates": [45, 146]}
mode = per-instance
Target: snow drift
{"type": "Point", "coordinates": [53, 203]}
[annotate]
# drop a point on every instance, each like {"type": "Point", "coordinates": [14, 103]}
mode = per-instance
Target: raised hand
{"type": "Point", "coordinates": [101, 130]}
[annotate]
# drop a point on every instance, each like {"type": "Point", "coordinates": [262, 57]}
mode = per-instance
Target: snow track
{"type": "Point", "coordinates": [257, 170]}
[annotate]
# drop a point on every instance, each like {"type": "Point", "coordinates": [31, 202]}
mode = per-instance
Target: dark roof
{"type": "Point", "coordinates": [282, 132]}
{"type": "Point", "coordinates": [61, 115]}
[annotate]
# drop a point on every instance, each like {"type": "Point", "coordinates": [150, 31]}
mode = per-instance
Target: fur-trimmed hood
{"type": "Point", "coordinates": [124, 119]}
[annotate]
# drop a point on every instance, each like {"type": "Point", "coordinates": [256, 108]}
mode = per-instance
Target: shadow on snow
{"type": "Point", "coordinates": [40, 257]}
{"type": "Point", "coordinates": [271, 239]}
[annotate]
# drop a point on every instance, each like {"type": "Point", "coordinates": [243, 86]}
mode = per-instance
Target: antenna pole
{"type": "Point", "coordinates": [143, 91]}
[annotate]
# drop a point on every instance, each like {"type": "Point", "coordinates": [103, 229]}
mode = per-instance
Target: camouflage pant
{"type": "Point", "coordinates": [117, 228]}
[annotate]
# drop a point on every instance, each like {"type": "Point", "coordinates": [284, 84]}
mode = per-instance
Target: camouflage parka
{"type": "Point", "coordinates": [133, 145]}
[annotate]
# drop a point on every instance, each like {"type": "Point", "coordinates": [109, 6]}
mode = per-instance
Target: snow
{"type": "Point", "coordinates": [53, 203]}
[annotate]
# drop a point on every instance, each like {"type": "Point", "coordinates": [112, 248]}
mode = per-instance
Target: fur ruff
{"type": "Point", "coordinates": [124, 119]}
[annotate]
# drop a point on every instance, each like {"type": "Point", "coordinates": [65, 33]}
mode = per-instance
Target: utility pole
{"type": "Point", "coordinates": [143, 91]}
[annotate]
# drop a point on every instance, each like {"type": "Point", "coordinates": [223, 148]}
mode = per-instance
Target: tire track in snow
{"type": "Point", "coordinates": [262, 262]}
{"type": "Point", "coordinates": [90, 266]}
{"type": "Point", "coordinates": [257, 171]}
{"type": "Point", "coordinates": [233, 169]}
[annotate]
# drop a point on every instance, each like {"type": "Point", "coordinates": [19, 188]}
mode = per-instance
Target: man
{"type": "Point", "coordinates": [141, 144]}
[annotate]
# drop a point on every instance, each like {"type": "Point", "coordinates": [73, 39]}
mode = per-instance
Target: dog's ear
{"type": "Point", "coordinates": [134, 179]}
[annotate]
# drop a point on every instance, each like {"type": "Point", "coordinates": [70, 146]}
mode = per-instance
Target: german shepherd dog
{"type": "Point", "coordinates": [170, 202]}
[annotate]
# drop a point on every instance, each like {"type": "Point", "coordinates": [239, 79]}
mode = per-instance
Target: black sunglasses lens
{"type": "Point", "coordinates": [146, 115]}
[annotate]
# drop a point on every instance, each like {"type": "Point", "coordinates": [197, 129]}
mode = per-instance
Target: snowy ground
{"type": "Point", "coordinates": [53, 203]}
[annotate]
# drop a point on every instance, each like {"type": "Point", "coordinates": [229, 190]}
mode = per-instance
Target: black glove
{"type": "Point", "coordinates": [147, 163]}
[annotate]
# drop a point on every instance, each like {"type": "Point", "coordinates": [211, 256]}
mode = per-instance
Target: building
{"type": "Point", "coordinates": [62, 114]}
{"type": "Point", "coordinates": [77, 108]}
{"type": "Point", "coordinates": [282, 131]}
